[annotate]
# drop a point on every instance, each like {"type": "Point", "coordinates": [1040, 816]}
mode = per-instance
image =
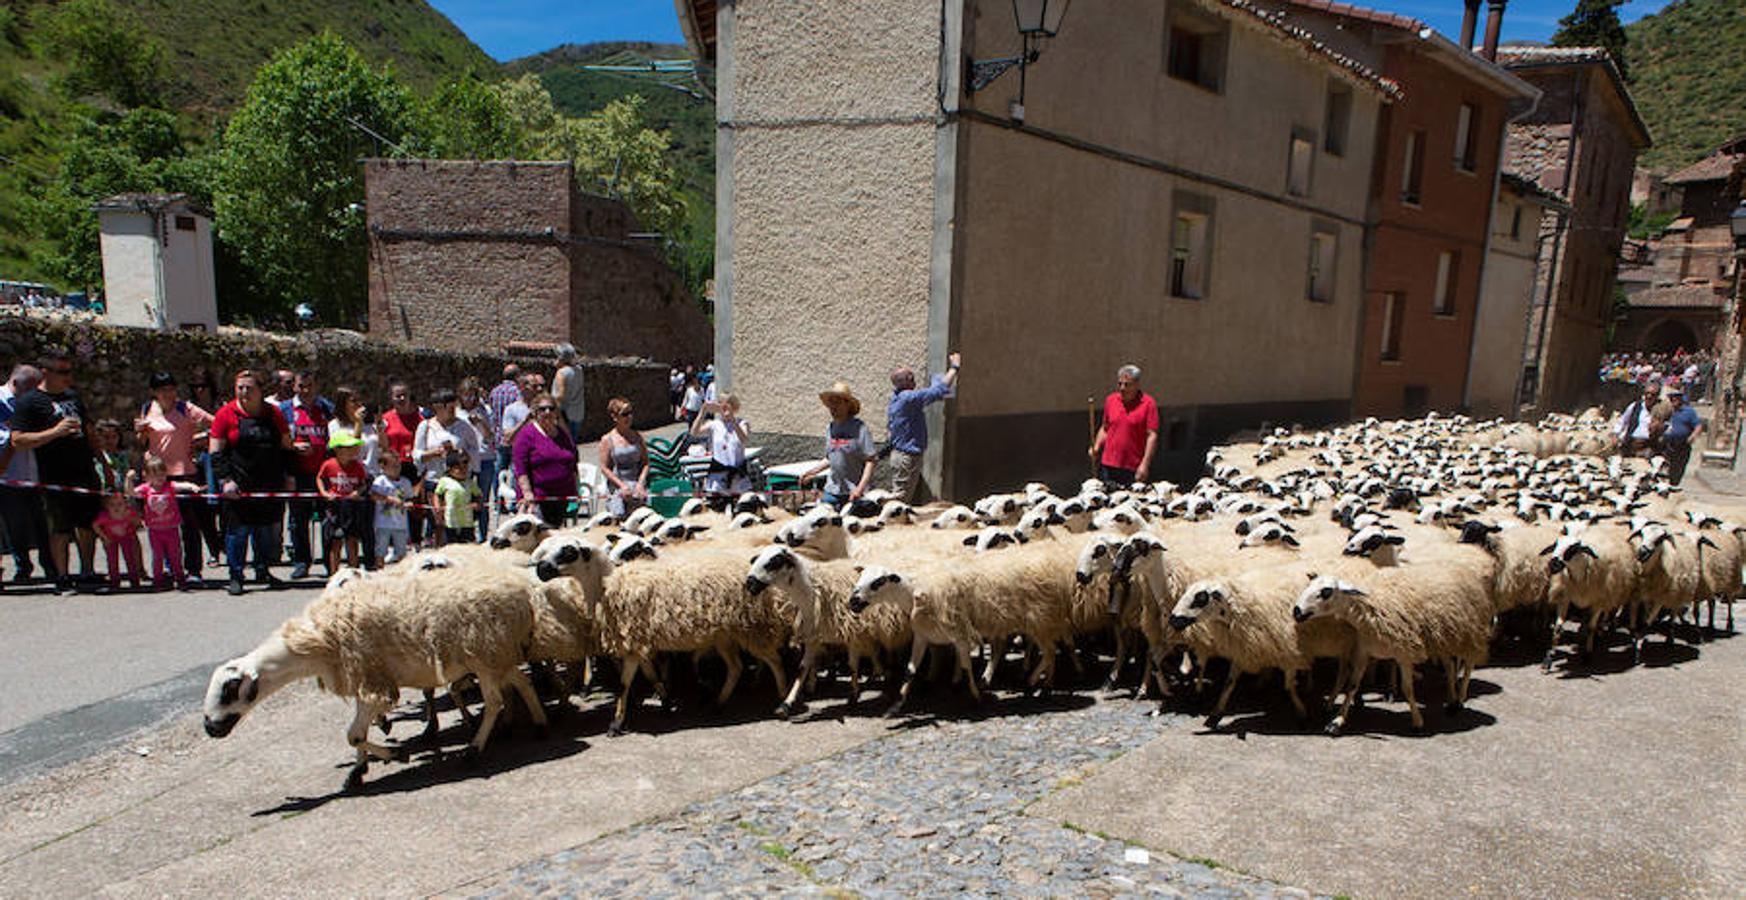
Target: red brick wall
{"type": "Point", "coordinates": [1453, 213]}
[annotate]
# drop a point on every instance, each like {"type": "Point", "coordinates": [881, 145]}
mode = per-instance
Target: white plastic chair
{"type": "Point", "coordinates": [591, 487]}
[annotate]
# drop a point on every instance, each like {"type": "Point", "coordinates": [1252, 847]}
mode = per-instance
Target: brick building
{"type": "Point", "coordinates": [1580, 143]}
{"type": "Point", "coordinates": [474, 256]}
{"type": "Point", "coordinates": [1431, 193]}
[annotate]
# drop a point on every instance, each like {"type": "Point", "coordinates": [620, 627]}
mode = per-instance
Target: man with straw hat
{"type": "Point", "coordinates": [849, 450]}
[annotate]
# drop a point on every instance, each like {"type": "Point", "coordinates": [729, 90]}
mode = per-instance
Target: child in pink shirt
{"type": "Point", "coordinates": [163, 521]}
{"type": "Point", "coordinates": [118, 526]}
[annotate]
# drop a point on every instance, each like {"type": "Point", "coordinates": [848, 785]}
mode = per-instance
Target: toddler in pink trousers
{"type": "Point", "coordinates": [163, 521]}
{"type": "Point", "coordinates": [118, 526]}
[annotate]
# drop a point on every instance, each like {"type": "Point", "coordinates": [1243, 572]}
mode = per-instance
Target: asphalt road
{"type": "Point", "coordinates": [83, 672]}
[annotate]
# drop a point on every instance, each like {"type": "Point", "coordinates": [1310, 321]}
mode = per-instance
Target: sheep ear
{"type": "Point", "coordinates": [251, 688]}
{"type": "Point", "coordinates": [696, 529]}
{"type": "Point", "coordinates": [1705, 541]}
{"type": "Point", "coordinates": [859, 569]}
{"type": "Point", "coordinates": [1395, 539]}
{"type": "Point", "coordinates": [970, 541]}
{"type": "Point", "coordinates": [1584, 548]}
{"type": "Point", "coordinates": [1548, 550]}
{"type": "Point", "coordinates": [1291, 540]}
{"type": "Point", "coordinates": [1311, 576]}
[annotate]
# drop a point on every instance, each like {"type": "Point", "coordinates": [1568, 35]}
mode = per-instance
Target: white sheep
{"type": "Point", "coordinates": [1668, 571]}
{"type": "Point", "coordinates": [521, 532]}
{"type": "Point", "coordinates": [369, 639]}
{"type": "Point", "coordinates": [818, 594]}
{"type": "Point", "coordinates": [1436, 609]}
{"type": "Point", "coordinates": [690, 603]}
{"type": "Point", "coordinates": [1593, 569]}
{"type": "Point", "coordinates": [955, 517]}
{"type": "Point", "coordinates": [1247, 619]}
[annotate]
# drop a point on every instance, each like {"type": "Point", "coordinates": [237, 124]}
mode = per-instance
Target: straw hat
{"type": "Point", "coordinates": [840, 391]}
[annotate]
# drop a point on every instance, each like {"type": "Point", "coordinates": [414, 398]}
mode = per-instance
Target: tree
{"type": "Point", "coordinates": [104, 51]}
{"type": "Point", "coordinates": [545, 133]}
{"type": "Point", "coordinates": [1595, 23]}
{"type": "Point", "coordinates": [618, 155]}
{"type": "Point", "coordinates": [138, 152]}
{"type": "Point", "coordinates": [289, 184]}
{"type": "Point", "coordinates": [468, 119]}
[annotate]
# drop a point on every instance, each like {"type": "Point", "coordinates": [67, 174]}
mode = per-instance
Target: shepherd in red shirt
{"type": "Point", "coordinates": [1125, 442]}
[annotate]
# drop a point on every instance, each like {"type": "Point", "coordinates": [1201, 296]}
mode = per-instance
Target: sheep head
{"type": "Point", "coordinates": [1568, 553]}
{"type": "Point", "coordinates": [521, 532]}
{"type": "Point", "coordinates": [955, 517]}
{"type": "Point", "coordinates": [877, 584]}
{"type": "Point", "coordinates": [1370, 540]}
{"type": "Point", "coordinates": [568, 556]}
{"type": "Point", "coordinates": [629, 548]}
{"type": "Point", "coordinates": [1202, 600]}
{"type": "Point", "coordinates": [1096, 558]}
{"type": "Point", "coordinates": [776, 566]}
{"type": "Point", "coordinates": [1325, 595]}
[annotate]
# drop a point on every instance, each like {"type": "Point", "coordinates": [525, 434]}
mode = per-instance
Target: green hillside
{"type": "Point", "coordinates": [215, 45]}
{"type": "Point", "coordinates": [211, 49]}
{"type": "Point", "coordinates": [689, 120]}
{"type": "Point", "coordinates": [1689, 67]}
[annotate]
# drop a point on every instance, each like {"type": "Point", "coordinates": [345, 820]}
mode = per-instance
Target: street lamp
{"type": "Point", "coordinates": [1035, 20]}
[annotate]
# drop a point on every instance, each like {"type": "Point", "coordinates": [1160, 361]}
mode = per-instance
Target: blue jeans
{"type": "Point", "coordinates": [834, 501]}
{"type": "Point", "coordinates": [237, 536]}
{"type": "Point", "coordinates": [488, 486]}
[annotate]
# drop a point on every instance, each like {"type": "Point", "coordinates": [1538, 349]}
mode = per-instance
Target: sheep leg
{"type": "Point", "coordinates": [1044, 673]}
{"type": "Point", "coordinates": [655, 677]}
{"type": "Point", "coordinates": [1466, 680]}
{"type": "Point", "coordinates": [628, 669]}
{"type": "Point", "coordinates": [1146, 670]}
{"type": "Point", "coordinates": [968, 671]}
{"type": "Point", "coordinates": [1073, 657]}
{"type": "Point", "coordinates": [491, 691]}
{"type": "Point", "coordinates": [771, 657]}
{"type": "Point", "coordinates": [1212, 721]}
{"type": "Point", "coordinates": [855, 653]}
{"type": "Point", "coordinates": [1291, 691]}
{"type": "Point", "coordinates": [1557, 629]}
{"type": "Point", "coordinates": [1354, 677]}
{"type": "Point", "coordinates": [997, 648]}
{"type": "Point", "coordinates": [1406, 687]}
{"type": "Point", "coordinates": [431, 726]}
{"type": "Point", "coordinates": [1121, 656]}
{"type": "Point", "coordinates": [917, 649]}
{"type": "Point", "coordinates": [808, 659]}
{"type": "Point", "coordinates": [731, 656]}
{"type": "Point", "coordinates": [358, 736]}
{"type": "Point", "coordinates": [529, 698]}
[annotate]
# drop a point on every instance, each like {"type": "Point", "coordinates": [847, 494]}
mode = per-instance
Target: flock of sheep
{"type": "Point", "coordinates": [1379, 547]}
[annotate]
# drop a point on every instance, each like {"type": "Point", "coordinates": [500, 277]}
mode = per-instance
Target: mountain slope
{"type": "Point", "coordinates": [215, 45]}
{"type": "Point", "coordinates": [1689, 66]}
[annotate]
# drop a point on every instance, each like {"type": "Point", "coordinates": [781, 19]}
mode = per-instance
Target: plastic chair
{"type": "Point", "coordinates": [591, 488]}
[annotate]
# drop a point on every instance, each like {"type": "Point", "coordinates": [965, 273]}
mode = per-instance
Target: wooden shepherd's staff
{"type": "Point", "coordinates": [1091, 423]}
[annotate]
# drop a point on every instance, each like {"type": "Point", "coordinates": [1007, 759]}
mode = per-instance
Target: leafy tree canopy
{"type": "Point", "coordinates": [289, 186]}
{"type": "Point", "coordinates": [1594, 23]}
{"type": "Point", "coordinates": [104, 51]}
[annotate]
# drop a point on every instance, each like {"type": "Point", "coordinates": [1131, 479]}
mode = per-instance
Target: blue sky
{"type": "Point", "coordinates": [507, 29]}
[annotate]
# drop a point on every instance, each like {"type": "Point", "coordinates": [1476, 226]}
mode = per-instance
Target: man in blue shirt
{"type": "Point", "coordinates": [907, 429]}
{"type": "Point", "coordinates": [1683, 425]}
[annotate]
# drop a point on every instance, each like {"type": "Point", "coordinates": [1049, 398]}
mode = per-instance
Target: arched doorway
{"type": "Point", "coordinates": [1669, 335]}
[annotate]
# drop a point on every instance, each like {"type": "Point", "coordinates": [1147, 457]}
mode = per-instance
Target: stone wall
{"type": "Point", "coordinates": [112, 365]}
{"type": "Point", "coordinates": [467, 255]}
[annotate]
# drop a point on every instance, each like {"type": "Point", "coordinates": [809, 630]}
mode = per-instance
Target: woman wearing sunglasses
{"type": "Point", "coordinates": [544, 456]}
{"type": "Point", "coordinates": [624, 459]}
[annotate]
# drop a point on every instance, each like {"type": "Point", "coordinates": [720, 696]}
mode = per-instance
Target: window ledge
{"type": "Point", "coordinates": [1444, 315]}
{"type": "Point", "coordinates": [1463, 170]}
{"type": "Point", "coordinates": [1391, 362]}
{"type": "Point", "coordinates": [1410, 203]}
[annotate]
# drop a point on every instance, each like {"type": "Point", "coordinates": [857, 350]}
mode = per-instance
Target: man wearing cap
{"type": "Point", "coordinates": [1634, 427]}
{"type": "Point", "coordinates": [307, 414]}
{"type": "Point", "coordinates": [849, 450]}
{"type": "Point", "coordinates": [905, 426]}
{"type": "Point", "coordinates": [1683, 425]}
{"type": "Point", "coordinates": [1128, 437]}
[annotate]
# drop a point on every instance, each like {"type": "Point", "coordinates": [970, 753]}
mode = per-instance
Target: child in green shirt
{"type": "Point", "coordinates": [457, 495]}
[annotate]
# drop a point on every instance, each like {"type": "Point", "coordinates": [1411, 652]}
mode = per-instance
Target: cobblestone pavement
{"type": "Point", "coordinates": [935, 809]}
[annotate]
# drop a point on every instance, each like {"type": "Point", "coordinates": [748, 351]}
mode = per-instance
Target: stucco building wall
{"type": "Point", "coordinates": [1506, 295]}
{"type": "Point", "coordinates": [130, 269]}
{"type": "Point", "coordinates": [158, 262]}
{"type": "Point", "coordinates": [830, 175]}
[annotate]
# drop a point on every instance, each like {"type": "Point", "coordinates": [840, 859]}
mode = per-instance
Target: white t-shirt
{"type": "Point", "coordinates": [724, 443]}
{"type": "Point", "coordinates": [432, 433]}
{"type": "Point", "coordinates": [391, 518]}
{"type": "Point", "coordinates": [513, 416]}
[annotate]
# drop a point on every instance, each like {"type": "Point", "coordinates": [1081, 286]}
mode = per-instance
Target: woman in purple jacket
{"type": "Point", "coordinates": [544, 455]}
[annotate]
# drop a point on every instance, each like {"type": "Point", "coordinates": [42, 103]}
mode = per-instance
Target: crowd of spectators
{"type": "Point", "coordinates": [1693, 372]}
{"type": "Point", "coordinates": [234, 474]}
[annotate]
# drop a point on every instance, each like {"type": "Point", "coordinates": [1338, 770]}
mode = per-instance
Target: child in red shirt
{"type": "Point", "coordinates": [342, 481]}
